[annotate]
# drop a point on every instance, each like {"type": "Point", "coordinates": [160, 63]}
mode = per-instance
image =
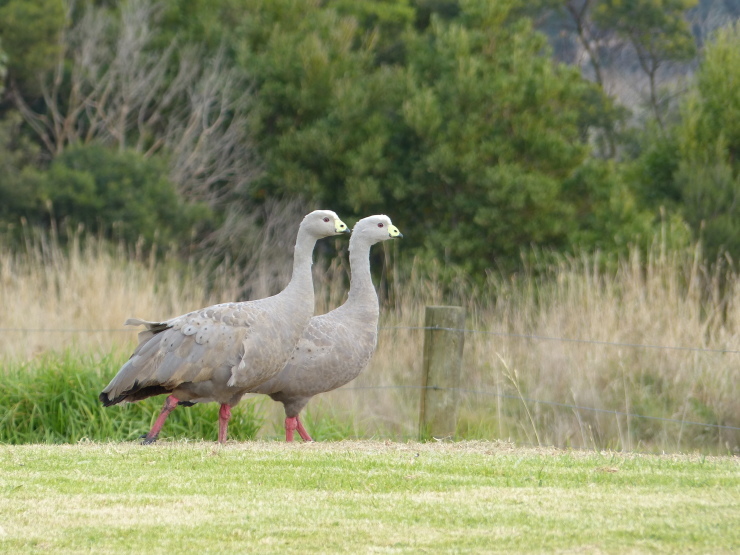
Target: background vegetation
{"type": "Point", "coordinates": [482, 127]}
{"type": "Point", "coordinates": [563, 168]}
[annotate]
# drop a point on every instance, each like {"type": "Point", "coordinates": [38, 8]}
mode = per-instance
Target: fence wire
{"type": "Point", "coordinates": [532, 337]}
{"type": "Point", "coordinates": [67, 330]}
{"type": "Point", "coordinates": [541, 402]}
{"type": "Point", "coordinates": [565, 339]}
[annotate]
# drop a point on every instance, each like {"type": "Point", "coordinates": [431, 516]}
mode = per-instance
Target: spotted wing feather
{"type": "Point", "coordinates": [189, 348]}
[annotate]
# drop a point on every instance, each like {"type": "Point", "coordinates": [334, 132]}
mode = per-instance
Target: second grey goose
{"type": "Point", "coordinates": [218, 353]}
{"type": "Point", "coordinates": [336, 346]}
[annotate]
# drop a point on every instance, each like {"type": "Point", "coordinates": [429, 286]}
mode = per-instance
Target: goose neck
{"type": "Point", "coordinates": [302, 280]}
{"type": "Point", "coordinates": [361, 283]}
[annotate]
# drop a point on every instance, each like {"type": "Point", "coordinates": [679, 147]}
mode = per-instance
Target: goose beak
{"type": "Point", "coordinates": [340, 227]}
{"type": "Point", "coordinates": [393, 232]}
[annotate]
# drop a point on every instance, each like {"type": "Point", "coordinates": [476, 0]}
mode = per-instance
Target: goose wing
{"type": "Point", "coordinates": [188, 348]}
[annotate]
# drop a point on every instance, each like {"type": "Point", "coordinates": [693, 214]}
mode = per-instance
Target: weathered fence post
{"type": "Point", "coordinates": [443, 347]}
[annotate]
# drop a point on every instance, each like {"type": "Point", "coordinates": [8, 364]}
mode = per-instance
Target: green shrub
{"type": "Point", "coordinates": [118, 194]}
{"type": "Point", "coordinates": [54, 399]}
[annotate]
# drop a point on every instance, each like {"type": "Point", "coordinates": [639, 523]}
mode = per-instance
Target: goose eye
{"type": "Point", "coordinates": [380, 225]}
{"type": "Point", "coordinates": [326, 219]}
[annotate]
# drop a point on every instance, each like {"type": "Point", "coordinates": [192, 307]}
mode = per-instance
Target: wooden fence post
{"type": "Point", "coordinates": [443, 347]}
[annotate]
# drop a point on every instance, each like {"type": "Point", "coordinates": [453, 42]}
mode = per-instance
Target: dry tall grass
{"type": "Point", "coordinates": [575, 334]}
{"type": "Point", "coordinates": [655, 334]}
{"type": "Point", "coordinates": [80, 296]}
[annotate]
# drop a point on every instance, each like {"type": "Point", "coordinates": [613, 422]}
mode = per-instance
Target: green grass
{"type": "Point", "coordinates": [364, 497]}
{"type": "Point", "coordinates": [54, 399]}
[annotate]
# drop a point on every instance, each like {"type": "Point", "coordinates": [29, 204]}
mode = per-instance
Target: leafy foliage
{"type": "Point", "coordinates": [113, 193]}
{"type": "Point", "coordinates": [30, 36]}
{"type": "Point", "coordinates": [468, 138]}
{"type": "Point", "coordinates": [17, 156]}
{"type": "Point", "coordinates": [695, 168]}
{"type": "Point", "coordinates": [607, 214]}
{"type": "Point", "coordinates": [494, 124]}
{"type": "Point", "coordinates": [656, 28]}
{"type": "Point", "coordinates": [3, 68]}
{"type": "Point", "coordinates": [450, 115]}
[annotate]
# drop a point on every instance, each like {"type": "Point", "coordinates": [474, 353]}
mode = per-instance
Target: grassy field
{"type": "Point", "coordinates": [352, 496]}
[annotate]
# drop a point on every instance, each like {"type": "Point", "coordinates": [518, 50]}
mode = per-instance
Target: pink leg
{"type": "Point", "coordinates": [223, 422]}
{"type": "Point", "coordinates": [169, 405]}
{"type": "Point", "coordinates": [291, 425]}
{"type": "Point", "coordinates": [302, 431]}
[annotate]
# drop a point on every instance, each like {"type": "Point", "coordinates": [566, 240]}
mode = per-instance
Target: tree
{"type": "Point", "coordinates": [385, 19]}
{"type": "Point", "coordinates": [109, 84]}
{"type": "Point", "coordinates": [591, 38]}
{"type": "Point", "coordinates": [469, 139]}
{"type": "Point", "coordinates": [708, 146]}
{"type": "Point", "coordinates": [693, 169]}
{"type": "Point", "coordinates": [305, 62]}
{"type": "Point", "coordinates": [596, 48]}
{"type": "Point", "coordinates": [3, 68]}
{"type": "Point", "coordinates": [18, 155]}
{"type": "Point", "coordinates": [30, 32]}
{"type": "Point", "coordinates": [495, 129]}
{"type": "Point", "coordinates": [656, 30]}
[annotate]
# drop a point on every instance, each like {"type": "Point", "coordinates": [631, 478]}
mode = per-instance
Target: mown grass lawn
{"type": "Point", "coordinates": [362, 496]}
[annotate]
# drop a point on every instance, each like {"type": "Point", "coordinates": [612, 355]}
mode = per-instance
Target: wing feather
{"type": "Point", "coordinates": [188, 348]}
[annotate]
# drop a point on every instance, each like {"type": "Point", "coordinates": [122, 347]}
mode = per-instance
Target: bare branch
{"type": "Point", "coordinates": [38, 122]}
{"type": "Point", "coordinates": [258, 241]}
{"type": "Point", "coordinates": [122, 92]}
{"type": "Point", "coordinates": [212, 154]}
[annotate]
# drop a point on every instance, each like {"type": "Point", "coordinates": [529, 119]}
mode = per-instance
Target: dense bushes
{"type": "Point", "coordinates": [115, 194]}
{"type": "Point", "coordinates": [454, 117]}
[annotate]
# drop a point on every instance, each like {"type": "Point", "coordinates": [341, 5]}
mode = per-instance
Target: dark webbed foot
{"type": "Point", "coordinates": [146, 440]}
